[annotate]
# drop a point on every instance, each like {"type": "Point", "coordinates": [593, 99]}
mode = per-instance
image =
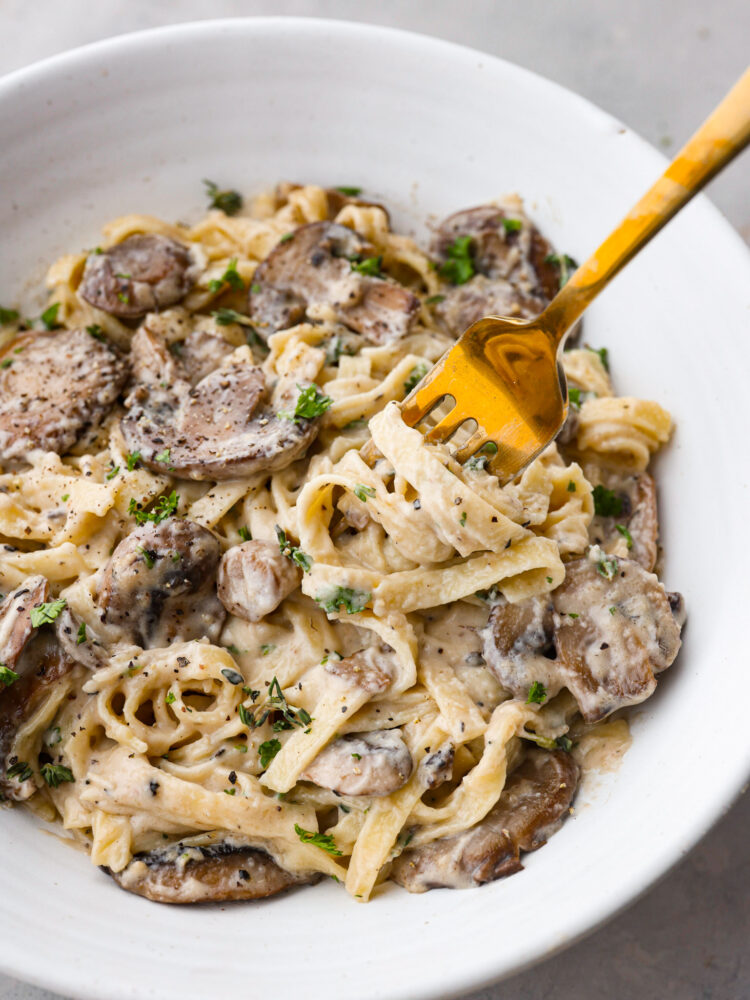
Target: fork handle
{"type": "Point", "coordinates": [723, 135]}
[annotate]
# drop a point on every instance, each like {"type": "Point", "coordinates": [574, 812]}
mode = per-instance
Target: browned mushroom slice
{"type": "Point", "coordinates": [614, 631]}
{"type": "Point", "coordinates": [314, 267]}
{"type": "Point", "coordinates": [144, 273]}
{"type": "Point", "coordinates": [534, 803]}
{"type": "Point", "coordinates": [254, 578]}
{"type": "Point", "coordinates": [159, 585]}
{"type": "Point", "coordinates": [222, 428]}
{"type": "Point", "coordinates": [632, 506]}
{"type": "Point", "coordinates": [465, 304]}
{"type": "Point", "coordinates": [79, 644]}
{"type": "Point", "coordinates": [53, 387]}
{"type": "Point", "coordinates": [370, 669]}
{"type": "Point", "coordinates": [375, 763]}
{"type": "Point", "coordinates": [219, 873]}
{"type": "Point", "coordinates": [516, 639]}
{"type": "Point", "coordinates": [201, 353]}
{"type": "Point", "coordinates": [31, 661]}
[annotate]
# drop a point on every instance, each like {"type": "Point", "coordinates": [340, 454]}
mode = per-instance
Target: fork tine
{"type": "Point", "coordinates": [448, 426]}
{"type": "Point", "coordinates": [477, 440]}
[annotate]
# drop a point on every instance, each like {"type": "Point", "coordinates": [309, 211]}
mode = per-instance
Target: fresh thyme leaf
{"type": "Point", "coordinates": [45, 614]}
{"type": "Point", "coordinates": [20, 770]}
{"type": "Point", "coordinates": [81, 636]}
{"type": "Point", "coordinates": [229, 202]}
{"type": "Point", "coordinates": [226, 316]}
{"type": "Point", "coordinates": [460, 266]}
{"type": "Point", "coordinates": [132, 459]}
{"type": "Point", "coordinates": [293, 552]}
{"type": "Point", "coordinates": [350, 192]}
{"type": "Point", "coordinates": [416, 375]}
{"type": "Point", "coordinates": [606, 502]}
{"type": "Point", "coordinates": [608, 567]}
{"type": "Point", "coordinates": [537, 693]}
{"type": "Point", "coordinates": [351, 600]}
{"type": "Point", "coordinates": [49, 316]}
{"type": "Point", "coordinates": [233, 676]}
{"type": "Point", "coordinates": [163, 508]}
{"type": "Point", "coordinates": [267, 751]}
{"type": "Point", "coordinates": [230, 277]}
{"type": "Point", "coordinates": [625, 534]}
{"type": "Point", "coordinates": [56, 774]}
{"type": "Point", "coordinates": [322, 840]}
{"type": "Point", "coordinates": [96, 331]}
{"type": "Point", "coordinates": [362, 492]}
{"type": "Point", "coordinates": [244, 533]}
{"type": "Point", "coordinates": [7, 676]}
{"type": "Point", "coordinates": [246, 718]}
{"type": "Point", "coordinates": [112, 472]}
{"type": "Point", "coordinates": [8, 316]}
{"type": "Point", "coordinates": [434, 300]}
{"type": "Point", "coordinates": [370, 266]}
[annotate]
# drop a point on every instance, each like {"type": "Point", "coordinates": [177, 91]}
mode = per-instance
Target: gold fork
{"type": "Point", "coordinates": [505, 374]}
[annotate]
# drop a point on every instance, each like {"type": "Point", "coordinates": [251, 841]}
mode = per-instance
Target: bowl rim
{"type": "Point", "coordinates": [717, 799]}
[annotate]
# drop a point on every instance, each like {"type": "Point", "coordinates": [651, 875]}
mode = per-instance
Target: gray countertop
{"type": "Point", "coordinates": [660, 67]}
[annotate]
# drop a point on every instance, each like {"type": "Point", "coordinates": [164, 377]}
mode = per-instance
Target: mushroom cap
{"type": "Point", "coordinates": [144, 273]}
{"type": "Point", "coordinates": [218, 873]}
{"type": "Point", "coordinates": [313, 267]}
{"type": "Point", "coordinates": [638, 513]}
{"type": "Point", "coordinates": [254, 578]}
{"type": "Point", "coordinates": [375, 764]}
{"type": "Point", "coordinates": [55, 386]}
{"type": "Point", "coordinates": [159, 584]}
{"type": "Point", "coordinates": [533, 805]}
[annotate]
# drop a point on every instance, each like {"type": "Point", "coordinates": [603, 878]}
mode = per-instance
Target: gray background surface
{"type": "Point", "coordinates": [660, 66]}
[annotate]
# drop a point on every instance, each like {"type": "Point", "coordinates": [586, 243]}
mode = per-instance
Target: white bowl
{"type": "Point", "coordinates": [133, 124]}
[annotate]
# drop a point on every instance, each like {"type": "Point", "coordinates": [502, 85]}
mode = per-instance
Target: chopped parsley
{"type": "Point", "coordinates": [112, 472]}
{"type": "Point", "coordinates": [571, 486]}
{"type": "Point", "coordinates": [512, 225]}
{"type": "Point", "coordinates": [95, 331]}
{"type": "Point", "coordinates": [286, 237]}
{"type": "Point", "coordinates": [362, 492]}
{"type": "Point", "coordinates": [244, 533]}
{"type": "Point", "coordinates": [293, 552]}
{"type": "Point", "coordinates": [416, 375]}
{"type": "Point", "coordinates": [434, 300]}
{"type": "Point", "coordinates": [65, 497]}
{"type": "Point", "coordinates": [163, 456]}
{"type": "Point", "coordinates": [6, 363]}
{"type": "Point", "coordinates": [45, 614]}
{"type": "Point", "coordinates": [170, 698]}
{"type": "Point", "coordinates": [547, 743]}
{"type": "Point", "coordinates": [603, 355]}
{"type": "Point", "coordinates": [612, 609]}
{"type": "Point", "coordinates": [608, 567]}
{"type": "Point", "coordinates": [149, 556]}
{"type": "Point", "coordinates": [233, 676]}
{"type": "Point", "coordinates": [549, 579]}
{"type": "Point", "coordinates": [564, 743]}
{"type": "Point", "coordinates": [230, 277]}
{"type": "Point", "coordinates": [56, 774]}
{"type": "Point", "coordinates": [229, 202]}
{"type": "Point", "coordinates": [574, 396]}
{"type": "Point", "coordinates": [266, 648]}
{"type": "Point", "coordinates": [7, 676]}
{"type": "Point", "coordinates": [357, 756]}
{"type": "Point", "coordinates": [571, 614]}
{"type": "Point", "coordinates": [369, 265]}
{"type": "Point", "coordinates": [132, 459]}
{"type": "Point", "coordinates": [81, 636]}
{"type": "Point", "coordinates": [462, 519]}
{"type": "Point", "coordinates": [564, 263]}
{"type": "Point", "coordinates": [226, 316]}
{"type": "Point", "coordinates": [350, 192]}
{"type": "Point", "coordinates": [606, 502]}
{"type": "Point", "coordinates": [537, 693]}
{"type": "Point", "coordinates": [49, 316]}
{"type": "Point", "coordinates": [351, 600]}
{"type": "Point", "coordinates": [163, 508]}
{"type": "Point", "coordinates": [625, 534]}
{"type": "Point", "coordinates": [276, 704]}
{"type": "Point", "coordinates": [8, 316]}
{"type": "Point", "coordinates": [322, 840]}
{"type": "Point", "coordinates": [311, 403]}
{"type": "Point", "coordinates": [460, 266]}
{"type": "Point", "coordinates": [20, 771]}
{"type": "Point", "coordinates": [267, 751]}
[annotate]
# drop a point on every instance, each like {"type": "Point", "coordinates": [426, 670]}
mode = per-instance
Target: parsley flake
{"type": "Point", "coordinates": [229, 202]}
{"type": "Point", "coordinates": [267, 751]}
{"type": "Point", "coordinates": [112, 472]}
{"type": "Point", "coordinates": [603, 355]}
{"type": "Point", "coordinates": [537, 693]}
{"type": "Point", "coordinates": [132, 459]}
{"type": "Point", "coordinates": [81, 636]}
{"type": "Point", "coordinates": [7, 676]}
{"type": "Point", "coordinates": [293, 552]}
{"type": "Point", "coordinates": [512, 225]}
{"type": "Point", "coordinates": [416, 375]}
{"type": "Point", "coordinates": [95, 331]}
{"type": "Point", "coordinates": [6, 363]}
{"type": "Point", "coordinates": [149, 556]}
{"type": "Point", "coordinates": [351, 600]}
{"type": "Point", "coordinates": [434, 300]}
{"type": "Point", "coordinates": [49, 316]}
{"type": "Point", "coordinates": [311, 403]}
{"type": "Point", "coordinates": [266, 648]}
{"type": "Point", "coordinates": [369, 265]}
{"type": "Point", "coordinates": [625, 534]}
{"type": "Point", "coordinates": [226, 316]}
{"type": "Point", "coordinates": [564, 263]}
{"type": "Point", "coordinates": [571, 486]}
{"type": "Point", "coordinates": [462, 519]}
{"type": "Point", "coordinates": [362, 492]}
{"type": "Point", "coordinates": [45, 614]}
{"type": "Point", "coordinates": [8, 316]}
{"type": "Point", "coordinates": [460, 266]}
{"type": "Point", "coordinates": [322, 840]}
{"type": "Point", "coordinates": [230, 277]}
{"type": "Point", "coordinates": [244, 533]}
{"type": "Point", "coordinates": [350, 192]}
{"type": "Point", "coordinates": [163, 508]}
{"type": "Point", "coordinates": [56, 774]}
{"type": "Point", "coordinates": [606, 502]}
{"type": "Point", "coordinates": [608, 567]}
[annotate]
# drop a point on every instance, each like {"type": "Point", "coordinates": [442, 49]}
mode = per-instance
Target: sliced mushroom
{"type": "Point", "coordinates": [83, 647]}
{"type": "Point", "coordinates": [144, 273]}
{"type": "Point", "coordinates": [375, 763]}
{"type": "Point", "coordinates": [313, 267]}
{"type": "Point", "coordinates": [370, 669]}
{"type": "Point", "coordinates": [612, 635]}
{"type": "Point", "coordinates": [159, 585]}
{"type": "Point", "coordinates": [222, 428]}
{"type": "Point", "coordinates": [201, 353]}
{"type": "Point", "coordinates": [254, 578]}
{"type": "Point", "coordinates": [635, 499]}
{"type": "Point", "coordinates": [437, 768]}
{"type": "Point", "coordinates": [54, 387]}
{"type": "Point", "coordinates": [35, 657]}
{"type": "Point", "coordinates": [516, 639]}
{"type": "Point", "coordinates": [183, 873]}
{"type": "Point", "coordinates": [514, 274]}
{"type": "Point", "coordinates": [533, 805]}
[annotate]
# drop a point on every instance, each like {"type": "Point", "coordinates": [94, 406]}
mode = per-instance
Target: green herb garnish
{"type": "Point", "coordinates": [163, 508]}
{"type": "Point", "coordinates": [460, 266]}
{"type": "Point", "coordinates": [434, 300]}
{"type": "Point", "coordinates": [7, 676]}
{"type": "Point", "coordinates": [132, 459]}
{"type": "Point", "coordinates": [603, 356]}
{"type": "Point", "coordinates": [266, 648]}
{"type": "Point", "coordinates": [95, 331]}
{"type": "Point", "coordinates": [233, 676]}
{"type": "Point", "coordinates": [20, 770]}
{"type": "Point", "coordinates": [352, 601]}
{"type": "Point", "coordinates": [608, 567]}
{"type": "Point", "coordinates": [350, 192]}
{"type": "Point", "coordinates": [244, 533]}
{"type": "Point", "coordinates": [370, 266]}
{"type": "Point", "coordinates": [571, 486]}
{"type": "Point", "coordinates": [625, 534]}
{"type": "Point", "coordinates": [230, 277]}
{"type": "Point", "coordinates": [462, 519]}
{"type": "Point", "coordinates": [49, 316]}
{"type": "Point", "coordinates": [226, 316]}
{"type": "Point", "coordinates": [267, 751]}
{"type": "Point", "coordinates": [565, 264]}
{"type": "Point", "coordinates": [606, 502]}
{"type": "Point", "coordinates": [322, 840]}
{"type": "Point", "coordinates": [56, 774]}
{"type": "Point", "coordinates": [537, 693]}
{"type": "Point", "coordinates": [416, 375]}
{"type": "Point", "coordinates": [362, 492]}
{"type": "Point", "coordinates": [81, 636]}
{"type": "Point", "coordinates": [112, 472]}
{"type": "Point", "coordinates": [229, 202]}
{"type": "Point", "coordinates": [293, 552]}
{"type": "Point", "coordinates": [311, 403]}
{"type": "Point", "coordinates": [8, 316]}
{"type": "Point", "coordinates": [512, 225]}
{"type": "Point", "coordinates": [45, 614]}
